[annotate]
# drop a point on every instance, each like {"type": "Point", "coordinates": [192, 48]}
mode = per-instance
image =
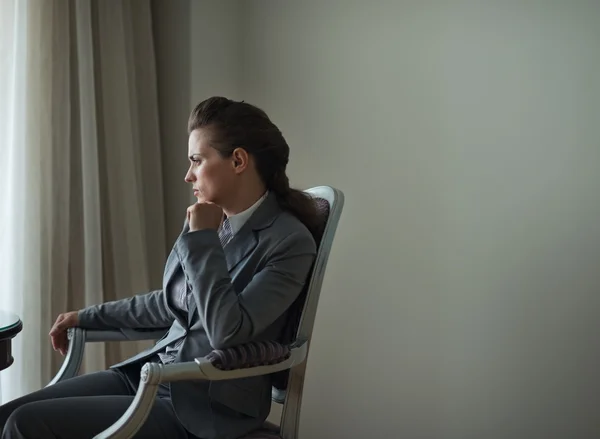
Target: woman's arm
{"type": "Point", "coordinates": [231, 318]}
{"type": "Point", "coordinates": [144, 311]}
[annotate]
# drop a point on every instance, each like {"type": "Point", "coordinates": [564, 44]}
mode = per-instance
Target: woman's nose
{"type": "Point", "coordinates": [189, 176]}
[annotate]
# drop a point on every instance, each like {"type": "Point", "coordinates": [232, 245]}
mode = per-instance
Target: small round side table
{"type": "Point", "coordinates": [10, 326]}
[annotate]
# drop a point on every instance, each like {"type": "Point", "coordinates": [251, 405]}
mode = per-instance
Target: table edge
{"type": "Point", "coordinates": [11, 331]}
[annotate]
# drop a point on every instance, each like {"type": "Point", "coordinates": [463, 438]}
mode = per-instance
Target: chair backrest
{"type": "Point", "coordinates": [288, 385]}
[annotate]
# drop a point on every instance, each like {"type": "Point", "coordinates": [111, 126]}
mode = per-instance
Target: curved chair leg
{"type": "Point", "coordinates": [72, 361]}
{"type": "Point", "coordinates": [137, 413]}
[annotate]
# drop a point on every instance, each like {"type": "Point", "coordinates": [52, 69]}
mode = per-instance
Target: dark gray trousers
{"type": "Point", "coordinates": [81, 407]}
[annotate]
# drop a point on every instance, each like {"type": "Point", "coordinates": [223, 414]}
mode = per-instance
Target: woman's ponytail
{"type": "Point", "coordinates": [296, 202]}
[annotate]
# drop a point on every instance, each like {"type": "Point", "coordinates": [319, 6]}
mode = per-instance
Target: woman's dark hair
{"type": "Point", "coordinates": [241, 125]}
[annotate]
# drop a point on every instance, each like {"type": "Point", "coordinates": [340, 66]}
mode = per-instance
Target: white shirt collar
{"type": "Point", "coordinates": [237, 221]}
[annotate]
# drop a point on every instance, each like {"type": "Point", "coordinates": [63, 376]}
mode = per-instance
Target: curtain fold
{"type": "Point", "coordinates": [81, 196]}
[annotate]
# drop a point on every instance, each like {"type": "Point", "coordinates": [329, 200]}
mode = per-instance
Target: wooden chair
{"type": "Point", "coordinates": [284, 359]}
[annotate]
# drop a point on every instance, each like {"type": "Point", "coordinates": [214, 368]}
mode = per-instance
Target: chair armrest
{"type": "Point", "coordinates": [211, 367]}
{"type": "Point", "coordinates": [249, 355]}
{"type": "Point", "coordinates": [78, 337]}
{"type": "Point", "coordinates": [72, 362]}
{"type": "Point", "coordinates": [203, 368]}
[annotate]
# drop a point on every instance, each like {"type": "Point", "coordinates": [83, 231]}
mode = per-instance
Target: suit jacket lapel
{"type": "Point", "coordinates": [171, 268]}
{"type": "Point", "coordinates": [173, 261]}
{"type": "Point", "coordinates": [238, 247]}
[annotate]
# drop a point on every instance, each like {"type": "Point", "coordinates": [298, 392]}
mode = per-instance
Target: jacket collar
{"type": "Point", "coordinates": [265, 214]}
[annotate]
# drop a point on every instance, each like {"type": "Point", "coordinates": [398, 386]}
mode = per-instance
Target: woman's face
{"type": "Point", "coordinates": [212, 177]}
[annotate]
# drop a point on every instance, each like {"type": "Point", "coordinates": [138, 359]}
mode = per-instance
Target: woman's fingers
{"type": "Point", "coordinates": [58, 332]}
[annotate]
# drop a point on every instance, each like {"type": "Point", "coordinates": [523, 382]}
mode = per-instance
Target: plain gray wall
{"type": "Point", "coordinates": [462, 297]}
{"type": "Point", "coordinates": [198, 48]}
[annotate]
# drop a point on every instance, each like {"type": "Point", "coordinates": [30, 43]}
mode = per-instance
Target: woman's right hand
{"type": "Point", "coordinates": [58, 333]}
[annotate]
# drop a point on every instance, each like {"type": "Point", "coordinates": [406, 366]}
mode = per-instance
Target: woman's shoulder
{"type": "Point", "coordinates": [287, 227]}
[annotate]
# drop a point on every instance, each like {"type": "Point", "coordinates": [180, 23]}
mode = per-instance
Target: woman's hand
{"type": "Point", "coordinates": [58, 333]}
{"type": "Point", "coordinates": [204, 216]}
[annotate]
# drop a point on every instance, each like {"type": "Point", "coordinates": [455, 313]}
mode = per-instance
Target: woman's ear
{"type": "Point", "coordinates": [240, 159]}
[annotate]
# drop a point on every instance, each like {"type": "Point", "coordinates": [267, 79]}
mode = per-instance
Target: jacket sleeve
{"type": "Point", "coordinates": [235, 317]}
{"type": "Point", "coordinates": [143, 311]}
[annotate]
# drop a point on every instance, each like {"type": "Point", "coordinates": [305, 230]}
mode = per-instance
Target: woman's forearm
{"type": "Point", "coordinates": [235, 317]}
{"type": "Point", "coordinates": [144, 311]}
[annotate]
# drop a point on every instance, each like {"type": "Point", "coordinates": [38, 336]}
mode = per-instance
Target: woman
{"type": "Point", "coordinates": [242, 259]}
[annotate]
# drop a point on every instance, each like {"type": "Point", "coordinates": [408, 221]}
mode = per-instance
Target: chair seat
{"type": "Point", "coordinates": [268, 431]}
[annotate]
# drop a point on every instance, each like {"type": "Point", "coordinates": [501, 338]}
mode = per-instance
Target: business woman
{"type": "Point", "coordinates": [240, 262]}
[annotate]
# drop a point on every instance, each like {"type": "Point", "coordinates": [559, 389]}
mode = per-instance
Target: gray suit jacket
{"type": "Point", "coordinates": [241, 293]}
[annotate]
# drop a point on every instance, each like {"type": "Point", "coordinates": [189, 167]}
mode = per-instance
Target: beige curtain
{"type": "Point", "coordinates": [81, 194]}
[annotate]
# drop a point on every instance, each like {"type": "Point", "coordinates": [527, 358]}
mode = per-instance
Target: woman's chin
{"type": "Point", "coordinates": [200, 198]}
